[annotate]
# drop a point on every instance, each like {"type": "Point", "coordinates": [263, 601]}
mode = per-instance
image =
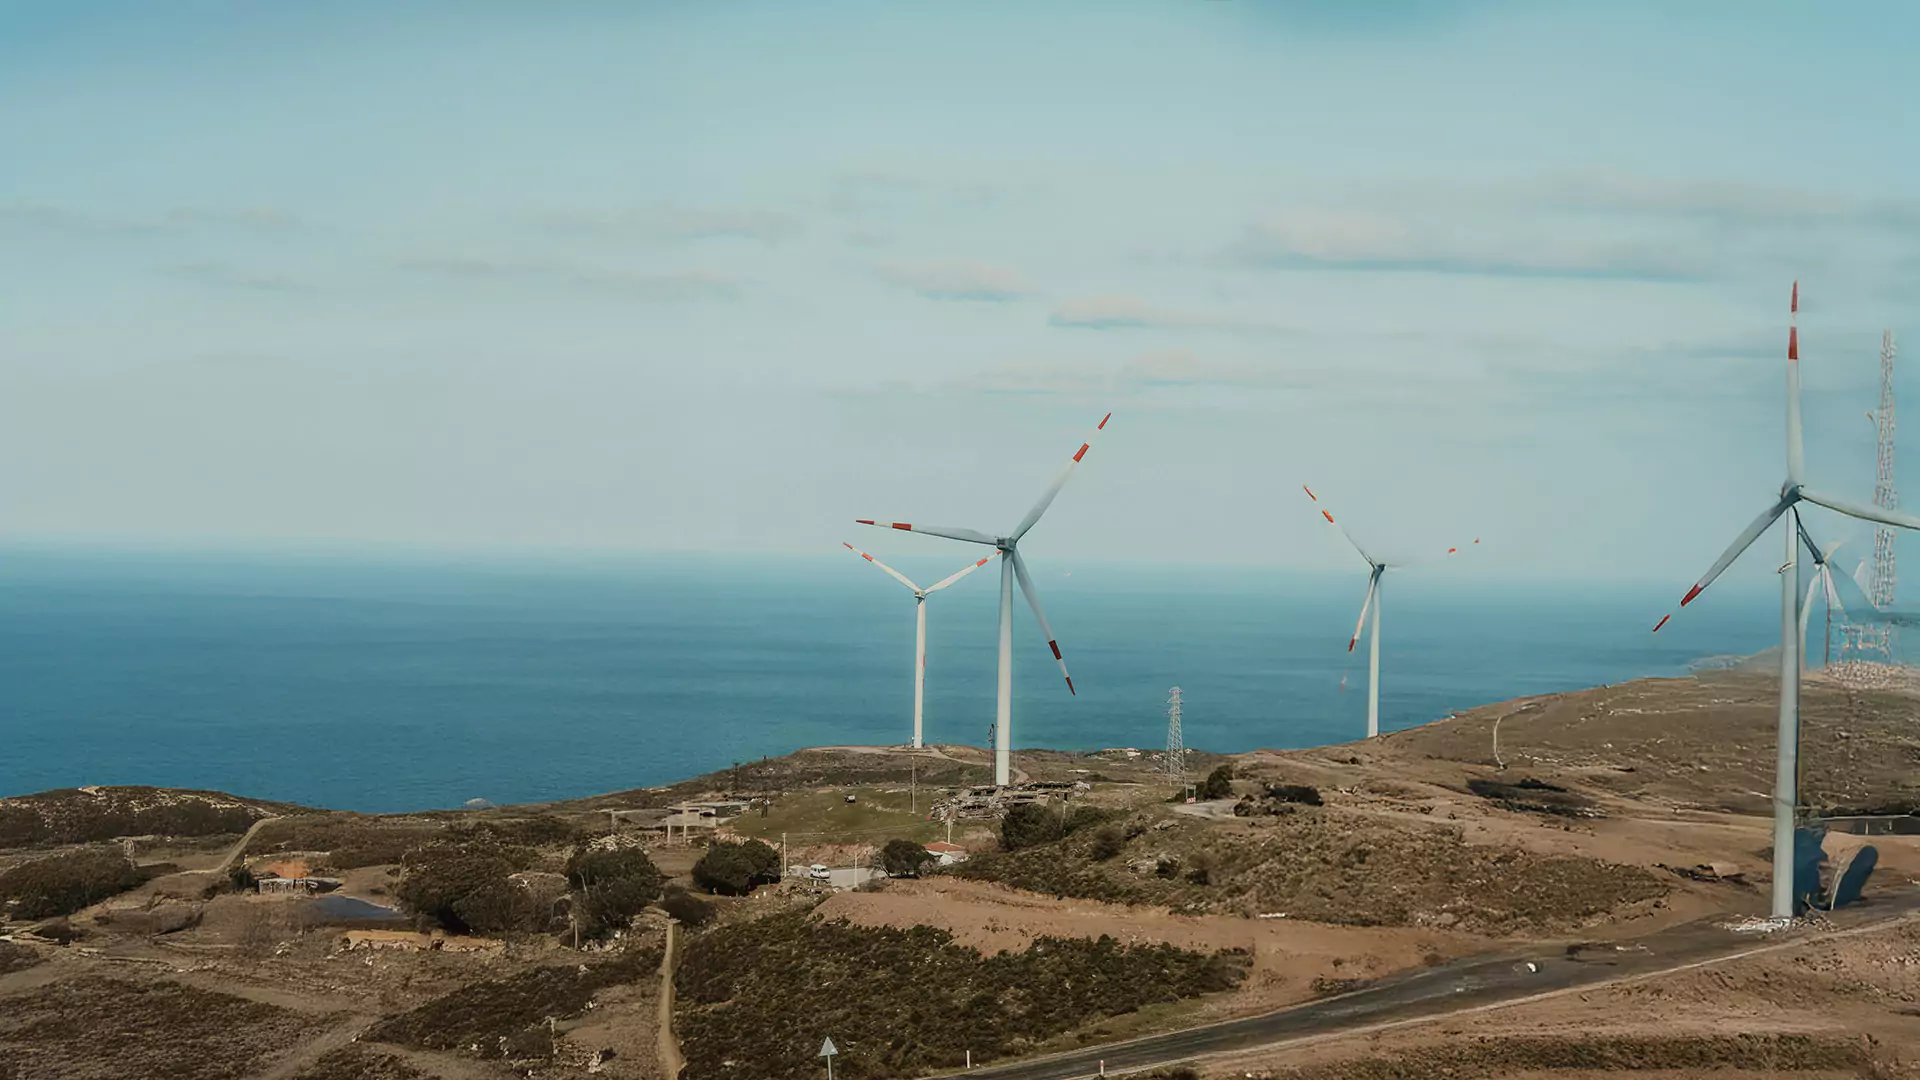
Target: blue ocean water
{"type": "Point", "coordinates": [420, 683]}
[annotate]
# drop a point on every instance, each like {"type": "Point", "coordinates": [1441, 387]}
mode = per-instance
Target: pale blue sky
{"type": "Point", "coordinates": [726, 276]}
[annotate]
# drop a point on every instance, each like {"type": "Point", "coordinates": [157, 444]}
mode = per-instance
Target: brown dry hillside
{"type": "Point", "coordinates": [1705, 741]}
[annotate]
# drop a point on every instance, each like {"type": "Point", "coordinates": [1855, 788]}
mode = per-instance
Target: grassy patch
{"type": "Point", "coordinates": [902, 1002]}
{"type": "Point", "coordinates": [506, 1018]}
{"type": "Point", "coordinates": [877, 813]}
{"type": "Point", "coordinates": [91, 1027]}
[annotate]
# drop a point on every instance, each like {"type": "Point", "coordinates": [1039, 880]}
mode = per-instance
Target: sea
{"type": "Point", "coordinates": [387, 683]}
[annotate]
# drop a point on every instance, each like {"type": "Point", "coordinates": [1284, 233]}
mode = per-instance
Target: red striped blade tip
{"type": "Point", "coordinates": [1662, 622]}
{"type": "Point", "coordinates": [1328, 516]}
{"type": "Point", "coordinates": [1082, 452]}
{"type": "Point", "coordinates": [1691, 593]}
{"type": "Point", "coordinates": [1796, 297]}
{"type": "Point", "coordinates": [866, 556]}
{"type": "Point", "coordinates": [983, 562]}
{"type": "Point", "coordinates": [1451, 551]}
{"type": "Point", "coordinates": [902, 526]}
{"type": "Point", "coordinates": [1055, 646]}
{"type": "Point", "coordinates": [1351, 642]}
{"type": "Point", "coordinates": [1102, 425]}
{"type": "Point", "coordinates": [848, 546]}
{"type": "Point", "coordinates": [1070, 688]}
{"type": "Point", "coordinates": [861, 521]}
{"type": "Point", "coordinates": [1793, 343]}
{"type": "Point", "coordinates": [1310, 493]}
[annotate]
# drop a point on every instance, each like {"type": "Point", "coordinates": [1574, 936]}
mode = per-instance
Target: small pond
{"type": "Point", "coordinates": [339, 909]}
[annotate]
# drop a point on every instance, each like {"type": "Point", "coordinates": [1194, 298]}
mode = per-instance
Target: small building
{"type": "Point", "coordinates": [948, 854]}
{"type": "Point", "coordinates": [303, 886]}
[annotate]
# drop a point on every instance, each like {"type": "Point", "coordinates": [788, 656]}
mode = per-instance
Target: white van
{"type": "Point", "coordinates": [819, 872]}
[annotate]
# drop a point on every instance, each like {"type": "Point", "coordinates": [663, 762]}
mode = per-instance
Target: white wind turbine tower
{"type": "Point", "coordinates": [919, 626]}
{"type": "Point", "coordinates": [1793, 491]}
{"type": "Point", "coordinates": [1376, 569]}
{"type": "Point", "coordinates": [1011, 566]}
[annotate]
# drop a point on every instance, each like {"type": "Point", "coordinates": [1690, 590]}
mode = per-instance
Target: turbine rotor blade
{"type": "Point", "coordinates": [1864, 513]}
{"type": "Point", "coordinates": [891, 572]}
{"type": "Point", "coordinates": [1059, 482]}
{"type": "Point", "coordinates": [971, 536]}
{"type": "Point", "coordinates": [1740, 544]}
{"type": "Point", "coordinates": [951, 578]}
{"type": "Point", "coordinates": [1796, 449]}
{"type": "Point", "coordinates": [1351, 542]}
{"type": "Point", "coordinates": [1373, 582]}
{"type": "Point", "coordinates": [1033, 601]}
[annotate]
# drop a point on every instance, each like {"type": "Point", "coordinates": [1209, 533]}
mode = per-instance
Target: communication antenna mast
{"type": "Point", "coordinates": [1176, 763]}
{"type": "Point", "coordinates": [1874, 643]}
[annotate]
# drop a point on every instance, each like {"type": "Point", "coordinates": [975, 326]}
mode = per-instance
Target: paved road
{"type": "Point", "coordinates": [1476, 982]}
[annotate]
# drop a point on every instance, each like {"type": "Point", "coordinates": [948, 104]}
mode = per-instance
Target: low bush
{"type": "Point", "coordinates": [1218, 784]}
{"type": "Point", "coordinates": [349, 840]}
{"type": "Point", "coordinates": [508, 1017]}
{"type": "Point", "coordinates": [907, 1002]}
{"type": "Point", "coordinates": [904, 858]}
{"type": "Point", "coordinates": [733, 869]}
{"type": "Point", "coordinates": [1031, 824]}
{"type": "Point", "coordinates": [462, 885]}
{"type": "Point", "coordinates": [76, 816]}
{"type": "Point", "coordinates": [687, 909]}
{"type": "Point", "coordinates": [63, 884]}
{"type": "Point", "coordinates": [611, 887]}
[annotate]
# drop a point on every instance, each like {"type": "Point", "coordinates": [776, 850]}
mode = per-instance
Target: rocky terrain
{"type": "Point", "coordinates": [556, 941]}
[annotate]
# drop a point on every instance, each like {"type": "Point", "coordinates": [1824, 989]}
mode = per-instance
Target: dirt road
{"type": "Point", "coordinates": [1469, 985]}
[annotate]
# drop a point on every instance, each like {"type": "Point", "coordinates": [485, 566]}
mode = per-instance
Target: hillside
{"type": "Point", "coordinates": [92, 814]}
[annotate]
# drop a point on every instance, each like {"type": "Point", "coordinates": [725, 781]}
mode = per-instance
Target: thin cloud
{"type": "Point", "coordinates": [1383, 243]}
{"type": "Point", "coordinates": [682, 284]}
{"type": "Point", "coordinates": [1141, 373]}
{"type": "Point", "coordinates": [54, 217]}
{"type": "Point", "coordinates": [1133, 313]}
{"type": "Point", "coordinates": [228, 276]}
{"type": "Point", "coordinates": [958, 279]}
{"type": "Point", "coordinates": [1726, 202]}
{"type": "Point", "coordinates": [678, 223]}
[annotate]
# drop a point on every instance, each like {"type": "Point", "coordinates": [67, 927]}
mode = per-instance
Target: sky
{"type": "Point", "coordinates": [673, 277]}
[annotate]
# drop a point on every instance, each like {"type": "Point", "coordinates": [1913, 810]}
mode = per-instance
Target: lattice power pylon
{"type": "Point", "coordinates": [1870, 644]}
{"type": "Point", "coordinates": [1176, 763]}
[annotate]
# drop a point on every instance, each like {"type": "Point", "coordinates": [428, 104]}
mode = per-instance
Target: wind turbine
{"type": "Point", "coordinates": [1011, 566]}
{"type": "Point", "coordinates": [919, 625]}
{"type": "Point", "coordinates": [1376, 569]}
{"type": "Point", "coordinates": [1793, 491]}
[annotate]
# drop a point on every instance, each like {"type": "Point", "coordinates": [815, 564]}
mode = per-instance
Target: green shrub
{"type": "Point", "coordinates": [904, 858]}
{"type": "Point", "coordinates": [611, 886]}
{"type": "Point", "coordinates": [733, 869]}
{"type": "Point", "coordinates": [686, 908]}
{"type": "Point", "coordinates": [1107, 843]}
{"type": "Point", "coordinates": [1029, 825]}
{"type": "Point", "coordinates": [462, 885]}
{"type": "Point", "coordinates": [65, 883]}
{"type": "Point", "coordinates": [501, 1015]}
{"type": "Point", "coordinates": [1218, 784]}
{"type": "Point", "coordinates": [907, 1002]}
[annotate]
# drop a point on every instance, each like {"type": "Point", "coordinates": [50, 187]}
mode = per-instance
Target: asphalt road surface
{"type": "Point", "coordinates": [1465, 984]}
